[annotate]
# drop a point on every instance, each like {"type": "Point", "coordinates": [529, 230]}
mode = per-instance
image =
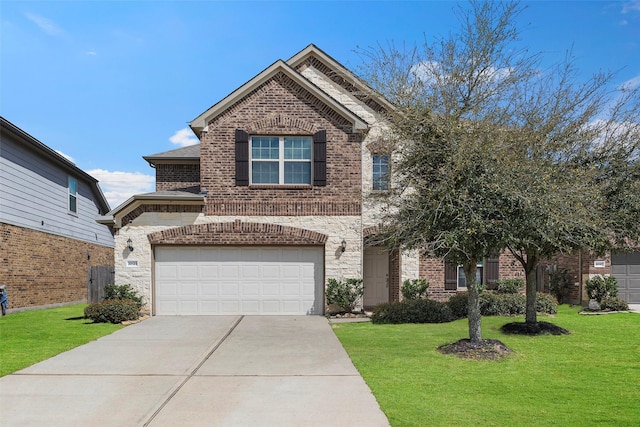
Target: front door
{"type": "Point", "coordinates": [376, 276]}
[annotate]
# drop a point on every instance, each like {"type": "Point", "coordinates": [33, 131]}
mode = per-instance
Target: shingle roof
{"type": "Point", "coordinates": [184, 153]}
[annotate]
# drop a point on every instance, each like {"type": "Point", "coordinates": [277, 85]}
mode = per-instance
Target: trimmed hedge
{"type": "Point", "coordinates": [412, 311]}
{"type": "Point", "coordinates": [459, 305]}
{"type": "Point", "coordinates": [500, 304]}
{"type": "Point", "coordinates": [112, 311]}
{"type": "Point", "coordinates": [614, 304]}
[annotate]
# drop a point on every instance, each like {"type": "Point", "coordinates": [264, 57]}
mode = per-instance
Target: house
{"type": "Point", "coordinates": [49, 236]}
{"type": "Point", "coordinates": [273, 202]}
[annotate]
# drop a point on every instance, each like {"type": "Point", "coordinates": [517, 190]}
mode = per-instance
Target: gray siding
{"type": "Point", "coordinates": [34, 195]}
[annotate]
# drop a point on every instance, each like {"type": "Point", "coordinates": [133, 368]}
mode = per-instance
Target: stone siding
{"type": "Point", "coordinates": [338, 264]}
{"type": "Point", "coordinates": [43, 269]}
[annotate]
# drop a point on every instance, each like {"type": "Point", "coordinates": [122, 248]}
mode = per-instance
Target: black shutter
{"type": "Point", "coordinates": [450, 277]}
{"type": "Point", "coordinates": [320, 158]}
{"type": "Point", "coordinates": [491, 272]}
{"type": "Point", "coordinates": [242, 158]}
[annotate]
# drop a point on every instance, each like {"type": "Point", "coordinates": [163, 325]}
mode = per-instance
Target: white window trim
{"type": "Point", "coordinates": [479, 265]}
{"type": "Point", "coordinates": [281, 160]}
{"type": "Point", "coordinates": [74, 195]}
{"type": "Point", "coordinates": [373, 178]}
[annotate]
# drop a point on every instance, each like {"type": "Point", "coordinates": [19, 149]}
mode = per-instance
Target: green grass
{"type": "Point", "coordinates": [32, 336]}
{"type": "Point", "coordinates": [590, 377]}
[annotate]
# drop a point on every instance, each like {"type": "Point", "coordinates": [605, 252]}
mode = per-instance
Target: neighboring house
{"type": "Point", "coordinates": [273, 202]}
{"type": "Point", "coordinates": [49, 236]}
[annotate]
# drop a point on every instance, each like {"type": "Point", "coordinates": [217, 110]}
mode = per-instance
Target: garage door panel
{"type": "Point", "coordinates": [625, 268]}
{"type": "Point", "coordinates": [233, 280]}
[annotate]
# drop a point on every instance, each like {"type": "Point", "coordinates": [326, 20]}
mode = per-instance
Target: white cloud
{"type": "Point", "coordinates": [119, 186]}
{"type": "Point", "coordinates": [631, 6]}
{"type": "Point", "coordinates": [92, 52]}
{"type": "Point", "coordinates": [45, 24]}
{"type": "Point", "coordinates": [184, 137]}
{"type": "Point", "coordinates": [66, 156]}
{"type": "Point", "coordinates": [632, 83]}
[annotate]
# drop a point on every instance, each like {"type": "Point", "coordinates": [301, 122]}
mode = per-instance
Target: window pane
{"type": "Point", "coordinates": [264, 172]}
{"type": "Point", "coordinates": [297, 147]}
{"type": "Point", "coordinates": [73, 190]}
{"type": "Point", "coordinates": [73, 186]}
{"type": "Point", "coordinates": [263, 147]}
{"type": "Point", "coordinates": [380, 172]}
{"type": "Point", "coordinates": [297, 173]}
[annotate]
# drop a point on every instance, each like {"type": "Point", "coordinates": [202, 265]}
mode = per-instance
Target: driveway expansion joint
{"type": "Point", "coordinates": [193, 372]}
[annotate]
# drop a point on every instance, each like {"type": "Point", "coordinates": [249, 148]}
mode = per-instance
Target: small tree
{"type": "Point", "coordinates": [345, 293]}
{"type": "Point", "coordinates": [414, 289]}
{"type": "Point", "coordinates": [601, 287]}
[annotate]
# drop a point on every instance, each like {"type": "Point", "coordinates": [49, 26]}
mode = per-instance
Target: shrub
{"type": "Point", "coordinates": [500, 304]}
{"type": "Point", "coordinates": [560, 284]}
{"type": "Point", "coordinates": [546, 303]}
{"type": "Point", "coordinates": [412, 311]}
{"type": "Point", "coordinates": [112, 311]}
{"type": "Point", "coordinates": [601, 287]}
{"type": "Point", "coordinates": [344, 293]}
{"type": "Point", "coordinates": [459, 305]}
{"type": "Point", "coordinates": [614, 304]}
{"type": "Point", "coordinates": [509, 286]}
{"type": "Point", "coordinates": [414, 289]}
{"type": "Point", "coordinates": [122, 292]}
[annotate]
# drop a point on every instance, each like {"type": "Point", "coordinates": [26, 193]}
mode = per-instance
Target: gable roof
{"type": "Point", "coordinates": [199, 123]}
{"type": "Point", "coordinates": [52, 156]}
{"type": "Point", "coordinates": [313, 51]}
{"type": "Point", "coordinates": [190, 152]}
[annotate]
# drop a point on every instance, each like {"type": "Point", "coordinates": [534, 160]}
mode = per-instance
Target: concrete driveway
{"type": "Point", "coordinates": [197, 371]}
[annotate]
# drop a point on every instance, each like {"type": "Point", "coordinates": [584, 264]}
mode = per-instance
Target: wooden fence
{"type": "Point", "coordinates": [98, 276]}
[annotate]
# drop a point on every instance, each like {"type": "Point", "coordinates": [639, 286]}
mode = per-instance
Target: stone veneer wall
{"type": "Point", "coordinates": [42, 269]}
{"type": "Point", "coordinates": [338, 264]}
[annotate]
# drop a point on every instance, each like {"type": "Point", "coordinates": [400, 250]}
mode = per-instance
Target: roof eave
{"type": "Point", "coordinates": [199, 123]}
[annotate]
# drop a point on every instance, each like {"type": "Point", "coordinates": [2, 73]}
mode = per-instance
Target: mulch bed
{"type": "Point", "coordinates": [538, 328]}
{"type": "Point", "coordinates": [483, 350]}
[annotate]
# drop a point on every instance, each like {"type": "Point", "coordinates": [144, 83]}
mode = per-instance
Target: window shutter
{"type": "Point", "coordinates": [242, 158]}
{"type": "Point", "coordinates": [320, 158]}
{"type": "Point", "coordinates": [491, 271]}
{"type": "Point", "coordinates": [450, 277]}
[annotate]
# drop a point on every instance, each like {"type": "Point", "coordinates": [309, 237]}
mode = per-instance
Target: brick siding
{"type": "Point", "coordinates": [281, 107]}
{"type": "Point", "coordinates": [178, 177]}
{"type": "Point", "coordinates": [237, 233]}
{"type": "Point", "coordinates": [40, 269]}
{"type": "Point", "coordinates": [432, 269]}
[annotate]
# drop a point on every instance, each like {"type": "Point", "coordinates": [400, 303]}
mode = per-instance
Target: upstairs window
{"type": "Point", "coordinates": [380, 172]}
{"type": "Point", "coordinates": [73, 195]}
{"type": "Point", "coordinates": [281, 160]}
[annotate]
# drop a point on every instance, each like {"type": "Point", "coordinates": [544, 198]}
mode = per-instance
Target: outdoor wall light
{"type": "Point", "coordinates": [343, 246]}
{"type": "Point", "coordinates": [130, 245]}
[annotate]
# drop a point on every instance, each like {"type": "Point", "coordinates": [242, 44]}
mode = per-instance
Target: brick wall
{"type": "Point", "coordinates": [432, 269]}
{"type": "Point", "coordinates": [580, 266]}
{"type": "Point", "coordinates": [281, 107]}
{"type": "Point", "coordinates": [42, 269]}
{"type": "Point", "coordinates": [182, 177]}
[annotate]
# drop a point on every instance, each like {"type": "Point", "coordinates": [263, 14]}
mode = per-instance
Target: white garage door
{"type": "Point", "coordinates": [625, 267]}
{"type": "Point", "coordinates": [238, 280]}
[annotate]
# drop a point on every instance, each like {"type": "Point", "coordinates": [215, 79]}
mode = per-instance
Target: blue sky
{"type": "Point", "coordinates": [107, 82]}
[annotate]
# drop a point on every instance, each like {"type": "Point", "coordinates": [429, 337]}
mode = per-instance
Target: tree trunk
{"type": "Point", "coordinates": [531, 315]}
{"type": "Point", "coordinates": [475, 331]}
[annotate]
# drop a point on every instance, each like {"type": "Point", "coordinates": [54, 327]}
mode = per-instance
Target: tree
{"type": "Point", "coordinates": [447, 197]}
{"type": "Point", "coordinates": [492, 151]}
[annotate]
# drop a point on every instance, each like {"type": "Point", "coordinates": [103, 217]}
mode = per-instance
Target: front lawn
{"type": "Point", "coordinates": [29, 337]}
{"type": "Point", "coordinates": [590, 377]}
